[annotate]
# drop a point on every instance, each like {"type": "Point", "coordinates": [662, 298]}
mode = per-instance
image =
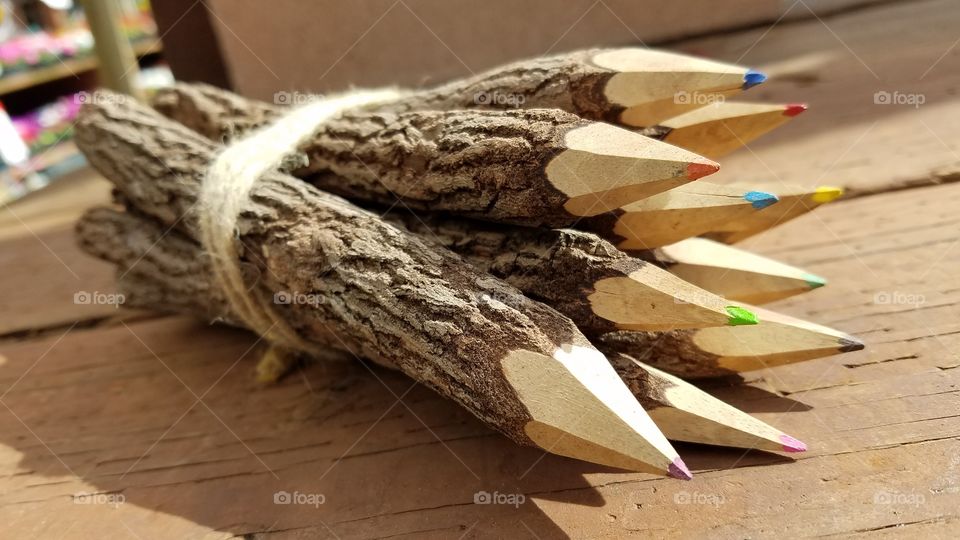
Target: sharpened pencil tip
{"type": "Point", "coordinates": [678, 469]}
{"type": "Point", "coordinates": [792, 445]}
{"type": "Point", "coordinates": [850, 344]}
{"type": "Point", "coordinates": [752, 78]}
{"type": "Point", "coordinates": [740, 316]}
{"type": "Point", "coordinates": [825, 194]}
{"type": "Point", "coordinates": [794, 109]}
{"type": "Point", "coordinates": [814, 281]}
{"type": "Point", "coordinates": [760, 199]}
{"type": "Point", "coordinates": [699, 170]}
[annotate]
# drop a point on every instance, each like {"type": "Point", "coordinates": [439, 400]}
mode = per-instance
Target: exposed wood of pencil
{"type": "Point", "coordinates": [722, 127]}
{"type": "Point", "coordinates": [795, 202]}
{"type": "Point", "coordinates": [521, 367]}
{"type": "Point", "coordinates": [685, 211]}
{"type": "Point", "coordinates": [171, 274]}
{"type": "Point", "coordinates": [584, 277]}
{"type": "Point", "coordinates": [633, 86]}
{"type": "Point", "coordinates": [710, 352]}
{"type": "Point", "coordinates": [686, 413]}
{"type": "Point", "coordinates": [732, 273]}
{"type": "Point", "coordinates": [533, 167]}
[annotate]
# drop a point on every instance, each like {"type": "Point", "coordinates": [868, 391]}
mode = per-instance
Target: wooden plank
{"type": "Point", "coordinates": [55, 205]}
{"type": "Point", "coordinates": [43, 268]}
{"type": "Point", "coordinates": [837, 64]}
{"type": "Point", "coordinates": [882, 424]}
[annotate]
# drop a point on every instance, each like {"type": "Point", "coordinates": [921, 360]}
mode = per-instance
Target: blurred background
{"type": "Point", "coordinates": [48, 63]}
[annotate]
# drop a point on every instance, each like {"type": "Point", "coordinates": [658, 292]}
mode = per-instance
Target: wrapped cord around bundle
{"type": "Point", "coordinates": [226, 189]}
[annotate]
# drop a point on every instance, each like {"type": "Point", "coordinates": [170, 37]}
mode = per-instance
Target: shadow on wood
{"type": "Point", "coordinates": [166, 413]}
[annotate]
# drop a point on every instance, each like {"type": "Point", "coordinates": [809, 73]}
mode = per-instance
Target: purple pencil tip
{"type": "Point", "coordinates": [792, 445]}
{"type": "Point", "coordinates": [678, 469]}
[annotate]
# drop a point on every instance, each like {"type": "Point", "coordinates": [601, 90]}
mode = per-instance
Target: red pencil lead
{"type": "Point", "coordinates": [699, 170]}
{"type": "Point", "coordinates": [794, 109]}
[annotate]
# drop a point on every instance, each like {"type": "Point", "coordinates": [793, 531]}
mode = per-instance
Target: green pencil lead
{"type": "Point", "coordinates": [741, 317]}
{"type": "Point", "coordinates": [814, 281]}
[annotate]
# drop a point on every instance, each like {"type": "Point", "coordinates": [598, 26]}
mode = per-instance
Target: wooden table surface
{"type": "Point", "coordinates": [117, 424]}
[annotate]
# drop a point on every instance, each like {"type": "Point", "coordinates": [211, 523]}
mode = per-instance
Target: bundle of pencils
{"type": "Point", "coordinates": [556, 268]}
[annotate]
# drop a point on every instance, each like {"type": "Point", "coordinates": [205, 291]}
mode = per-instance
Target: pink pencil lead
{"type": "Point", "coordinates": [791, 444]}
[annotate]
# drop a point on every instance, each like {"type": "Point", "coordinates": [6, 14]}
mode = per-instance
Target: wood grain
{"type": "Point", "coordinates": [722, 127]}
{"type": "Point", "coordinates": [682, 212]}
{"type": "Point", "coordinates": [35, 233]}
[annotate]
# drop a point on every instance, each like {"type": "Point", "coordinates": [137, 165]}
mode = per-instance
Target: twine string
{"type": "Point", "coordinates": [226, 189]}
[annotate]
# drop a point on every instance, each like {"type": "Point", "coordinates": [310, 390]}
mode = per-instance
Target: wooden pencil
{"type": "Point", "coordinates": [636, 87]}
{"type": "Point", "coordinates": [686, 413]}
{"type": "Point", "coordinates": [171, 275]}
{"type": "Point", "coordinates": [579, 274]}
{"type": "Point", "coordinates": [530, 166]}
{"type": "Point", "coordinates": [718, 351]}
{"type": "Point", "coordinates": [522, 367]}
{"type": "Point", "coordinates": [685, 211]}
{"type": "Point", "coordinates": [732, 273]}
{"type": "Point", "coordinates": [722, 127]}
{"type": "Point", "coordinates": [796, 201]}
